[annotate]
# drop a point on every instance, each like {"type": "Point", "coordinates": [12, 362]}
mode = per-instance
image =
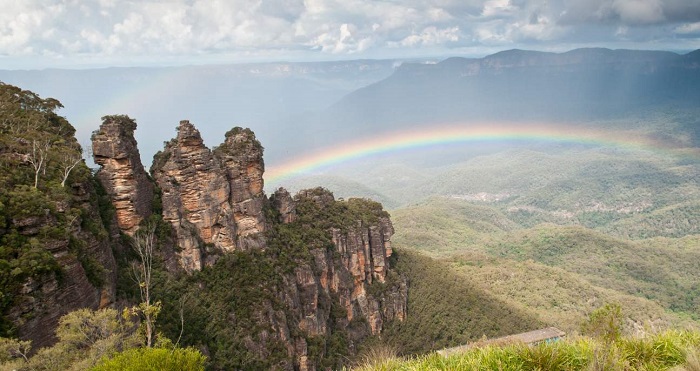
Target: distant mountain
{"type": "Point", "coordinates": [297, 107]}
{"type": "Point", "coordinates": [518, 85]}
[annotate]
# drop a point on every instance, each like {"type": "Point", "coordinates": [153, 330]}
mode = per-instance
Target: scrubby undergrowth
{"type": "Point", "coordinates": [677, 350]}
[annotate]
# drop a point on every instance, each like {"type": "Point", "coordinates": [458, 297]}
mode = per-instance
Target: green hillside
{"type": "Point", "coordinates": [558, 297]}
{"type": "Point", "coordinates": [557, 274]}
{"type": "Point", "coordinates": [442, 225]}
{"type": "Point", "coordinates": [668, 276]}
{"type": "Point", "coordinates": [445, 309]}
{"type": "Point", "coordinates": [671, 221]}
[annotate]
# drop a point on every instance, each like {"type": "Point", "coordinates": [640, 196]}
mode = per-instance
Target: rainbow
{"type": "Point", "coordinates": [452, 134]}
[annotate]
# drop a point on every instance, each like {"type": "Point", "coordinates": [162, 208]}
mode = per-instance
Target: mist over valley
{"type": "Point", "coordinates": [415, 204]}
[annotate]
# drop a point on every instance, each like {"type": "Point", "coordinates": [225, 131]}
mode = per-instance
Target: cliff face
{"type": "Point", "coordinates": [213, 200]}
{"type": "Point", "coordinates": [351, 275]}
{"type": "Point", "coordinates": [88, 270]}
{"type": "Point", "coordinates": [55, 254]}
{"type": "Point", "coordinates": [241, 156]}
{"type": "Point", "coordinates": [195, 196]}
{"type": "Point", "coordinates": [122, 175]}
{"type": "Point", "coordinates": [318, 269]}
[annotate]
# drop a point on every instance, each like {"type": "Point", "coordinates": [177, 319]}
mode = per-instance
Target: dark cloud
{"type": "Point", "coordinates": [630, 12]}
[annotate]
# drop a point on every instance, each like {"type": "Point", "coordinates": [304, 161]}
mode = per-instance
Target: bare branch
{"type": "Point", "coordinates": [38, 158]}
{"type": "Point", "coordinates": [144, 246]}
{"type": "Point", "coordinates": [68, 163]}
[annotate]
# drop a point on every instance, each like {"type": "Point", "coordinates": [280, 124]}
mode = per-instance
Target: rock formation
{"type": "Point", "coordinates": [338, 281]}
{"type": "Point", "coordinates": [282, 201]}
{"type": "Point", "coordinates": [122, 174]}
{"type": "Point", "coordinates": [214, 201]}
{"type": "Point", "coordinates": [195, 196]}
{"type": "Point", "coordinates": [345, 273]}
{"type": "Point", "coordinates": [241, 156]}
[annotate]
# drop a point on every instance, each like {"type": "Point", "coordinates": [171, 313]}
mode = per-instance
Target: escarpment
{"type": "Point", "coordinates": [55, 243]}
{"type": "Point", "coordinates": [357, 262]}
{"type": "Point", "coordinates": [305, 278]}
{"type": "Point", "coordinates": [85, 268]}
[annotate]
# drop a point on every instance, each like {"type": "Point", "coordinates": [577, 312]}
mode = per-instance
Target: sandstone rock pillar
{"type": "Point", "coordinates": [121, 171]}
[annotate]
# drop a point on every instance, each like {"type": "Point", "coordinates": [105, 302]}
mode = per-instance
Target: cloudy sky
{"type": "Point", "coordinates": [90, 33]}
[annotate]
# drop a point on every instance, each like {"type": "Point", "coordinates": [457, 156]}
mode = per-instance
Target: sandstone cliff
{"type": "Point", "coordinates": [292, 282]}
{"type": "Point", "coordinates": [87, 277]}
{"type": "Point", "coordinates": [213, 200]}
{"type": "Point", "coordinates": [351, 274]}
{"type": "Point", "coordinates": [122, 174]}
{"type": "Point", "coordinates": [195, 196]}
{"type": "Point", "coordinates": [241, 155]}
{"type": "Point", "coordinates": [55, 253]}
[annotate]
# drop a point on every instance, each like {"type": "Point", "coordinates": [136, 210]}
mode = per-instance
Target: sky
{"type": "Point", "coordinates": [36, 34]}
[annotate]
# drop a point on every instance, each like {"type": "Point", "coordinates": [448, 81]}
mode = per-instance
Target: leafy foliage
{"type": "Point", "coordinates": [155, 359]}
{"type": "Point", "coordinates": [604, 323]}
{"type": "Point", "coordinates": [39, 209]}
{"type": "Point", "coordinates": [84, 337]}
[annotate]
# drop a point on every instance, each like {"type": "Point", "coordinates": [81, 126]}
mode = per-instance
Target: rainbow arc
{"type": "Point", "coordinates": [445, 135]}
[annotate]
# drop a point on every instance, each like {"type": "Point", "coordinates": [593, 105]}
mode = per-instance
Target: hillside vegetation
{"type": "Point", "coordinates": [663, 351]}
{"type": "Point", "coordinates": [557, 275]}
{"type": "Point", "coordinates": [445, 309]}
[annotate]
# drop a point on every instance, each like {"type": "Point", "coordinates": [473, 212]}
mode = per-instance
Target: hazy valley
{"type": "Point", "coordinates": [556, 184]}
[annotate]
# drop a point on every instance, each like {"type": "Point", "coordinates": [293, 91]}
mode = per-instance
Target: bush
{"type": "Point", "coordinates": [156, 359]}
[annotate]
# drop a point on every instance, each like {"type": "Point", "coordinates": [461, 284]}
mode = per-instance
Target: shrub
{"type": "Point", "coordinates": [156, 359]}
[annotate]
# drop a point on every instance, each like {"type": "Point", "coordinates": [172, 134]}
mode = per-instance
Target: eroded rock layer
{"type": "Point", "coordinates": [195, 196]}
{"type": "Point", "coordinates": [241, 155]}
{"type": "Point", "coordinates": [352, 276]}
{"type": "Point", "coordinates": [121, 172]}
{"type": "Point", "coordinates": [88, 268]}
{"type": "Point", "coordinates": [331, 259]}
{"type": "Point", "coordinates": [213, 200]}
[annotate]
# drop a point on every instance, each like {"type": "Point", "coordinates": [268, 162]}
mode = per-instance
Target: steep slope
{"type": "Point", "coordinates": [55, 237]}
{"type": "Point", "coordinates": [559, 297]}
{"type": "Point", "coordinates": [447, 309]}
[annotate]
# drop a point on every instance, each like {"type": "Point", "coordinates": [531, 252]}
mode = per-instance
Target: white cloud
{"type": "Point", "coordinates": [128, 29]}
{"type": "Point", "coordinates": [689, 28]}
{"type": "Point", "coordinates": [639, 11]}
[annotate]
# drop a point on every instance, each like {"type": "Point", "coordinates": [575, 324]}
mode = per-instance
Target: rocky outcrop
{"type": "Point", "coordinates": [364, 252]}
{"type": "Point", "coordinates": [361, 261]}
{"type": "Point", "coordinates": [241, 156]}
{"type": "Point", "coordinates": [282, 201]}
{"type": "Point", "coordinates": [331, 258]}
{"type": "Point", "coordinates": [353, 276]}
{"type": "Point", "coordinates": [195, 196]}
{"type": "Point", "coordinates": [213, 200]}
{"type": "Point", "coordinates": [121, 172]}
